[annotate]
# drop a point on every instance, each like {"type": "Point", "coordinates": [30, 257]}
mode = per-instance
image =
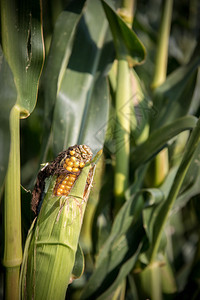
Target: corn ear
{"type": "Point", "coordinates": [52, 241]}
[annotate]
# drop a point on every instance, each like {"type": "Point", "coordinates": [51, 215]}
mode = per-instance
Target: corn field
{"type": "Point", "coordinates": [99, 149]}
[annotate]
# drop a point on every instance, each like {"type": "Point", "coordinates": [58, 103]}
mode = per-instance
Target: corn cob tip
{"type": "Point", "coordinates": [67, 167]}
{"type": "Point", "coordinates": [75, 160]}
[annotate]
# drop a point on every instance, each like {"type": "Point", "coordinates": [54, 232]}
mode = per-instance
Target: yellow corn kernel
{"type": "Point", "coordinates": [69, 169]}
{"type": "Point", "coordinates": [72, 152]}
{"type": "Point", "coordinates": [70, 163]}
{"type": "Point", "coordinates": [76, 164]}
{"type": "Point", "coordinates": [68, 187]}
{"type": "Point", "coordinates": [72, 179]}
{"type": "Point", "coordinates": [74, 161]}
{"type": "Point", "coordinates": [73, 175]}
{"type": "Point", "coordinates": [82, 164]}
{"type": "Point", "coordinates": [65, 180]}
{"type": "Point", "coordinates": [73, 158]}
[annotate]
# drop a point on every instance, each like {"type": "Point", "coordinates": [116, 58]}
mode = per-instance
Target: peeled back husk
{"type": "Point", "coordinates": [52, 241]}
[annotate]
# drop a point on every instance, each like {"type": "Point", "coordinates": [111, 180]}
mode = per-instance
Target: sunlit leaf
{"type": "Point", "coordinates": [127, 44]}
{"type": "Point", "coordinates": [190, 187]}
{"type": "Point", "coordinates": [159, 138]}
{"type": "Point", "coordinates": [124, 271]}
{"type": "Point", "coordinates": [164, 208]}
{"type": "Point", "coordinates": [122, 244]}
{"type": "Point", "coordinates": [22, 42]}
{"type": "Point", "coordinates": [58, 58]}
{"type": "Point", "coordinates": [81, 110]}
{"type": "Point", "coordinates": [174, 97]}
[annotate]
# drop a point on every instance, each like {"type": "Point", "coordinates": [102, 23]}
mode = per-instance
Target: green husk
{"type": "Point", "coordinates": [52, 242]}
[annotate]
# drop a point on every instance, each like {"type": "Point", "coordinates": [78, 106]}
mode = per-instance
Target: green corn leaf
{"type": "Point", "coordinates": [127, 44]}
{"type": "Point", "coordinates": [123, 244]}
{"type": "Point", "coordinates": [174, 97]}
{"type": "Point", "coordinates": [86, 120]}
{"type": "Point", "coordinates": [82, 104]}
{"type": "Point", "coordinates": [159, 138]}
{"type": "Point", "coordinates": [124, 271]}
{"type": "Point", "coordinates": [58, 58]}
{"type": "Point", "coordinates": [190, 186]}
{"type": "Point", "coordinates": [160, 216]}
{"type": "Point", "coordinates": [22, 42]}
{"type": "Point", "coordinates": [8, 95]}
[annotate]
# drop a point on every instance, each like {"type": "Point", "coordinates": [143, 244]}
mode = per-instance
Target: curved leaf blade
{"type": "Point", "coordinates": [159, 138]}
{"type": "Point", "coordinates": [190, 187]}
{"type": "Point", "coordinates": [174, 97]}
{"type": "Point", "coordinates": [124, 271]}
{"type": "Point", "coordinates": [160, 218]}
{"type": "Point", "coordinates": [23, 47]}
{"type": "Point", "coordinates": [127, 44]}
{"type": "Point", "coordinates": [81, 110]}
{"type": "Point", "coordinates": [123, 243]}
{"type": "Point", "coordinates": [78, 122]}
{"type": "Point", "coordinates": [58, 58]}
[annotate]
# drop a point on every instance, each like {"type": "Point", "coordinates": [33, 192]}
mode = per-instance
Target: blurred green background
{"type": "Point", "coordinates": [145, 242]}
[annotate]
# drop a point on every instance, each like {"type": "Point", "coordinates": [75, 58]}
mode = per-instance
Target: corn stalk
{"type": "Point", "coordinates": [160, 165]}
{"type": "Point", "coordinates": [12, 211]}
